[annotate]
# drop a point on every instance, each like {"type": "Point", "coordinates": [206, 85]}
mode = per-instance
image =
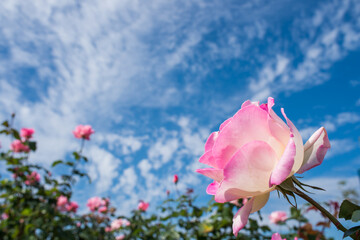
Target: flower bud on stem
{"type": "Point", "coordinates": [338, 225]}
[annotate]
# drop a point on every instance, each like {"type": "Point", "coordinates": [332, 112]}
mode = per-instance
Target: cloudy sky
{"type": "Point", "coordinates": [154, 78]}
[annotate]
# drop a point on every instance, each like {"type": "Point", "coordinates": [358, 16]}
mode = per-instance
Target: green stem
{"type": "Point", "coordinates": [338, 225]}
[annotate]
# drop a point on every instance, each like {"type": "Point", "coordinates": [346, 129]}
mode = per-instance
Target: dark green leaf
{"type": "Point", "coordinates": [347, 208]}
{"type": "Point", "coordinates": [56, 163]}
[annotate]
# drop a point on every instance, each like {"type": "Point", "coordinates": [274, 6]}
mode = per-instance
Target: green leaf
{"type": "Point", "coordinates": [32, 146]}
{"type": "Point", "coordinates": [5, 124]}
{"type": "Point", "coordinates": [16, 134]}
{"type": "Point", "coordinates": [355, 216]}
{"type": "Point", "coordinates": [347, 208]}
{"type": "Point", "coordinates": [56, 163]}
{"type": "Point", "coordinates": [76, 155]}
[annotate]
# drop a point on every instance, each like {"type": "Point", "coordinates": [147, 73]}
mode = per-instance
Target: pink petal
{"type": "Point", "coordinates": [254, 204]}
{"type": "Point", "coordinates": [299, 157]}
{"type": "Point", "coordinates": [315, 149]}
{"type": "Point", "coordinates": [248, 172]}
{"type": "Point", "coordinates": [284, 166]}
{"type": "Point", "coordinates": [241, 217]}
{"type": "Point", "coordinates": [225, 123]}
{"type": "Point", "coordinates": [210, 141]}
{"type": "Point", "coordinates": [212, 188]}
{"type": "Point", "coordinates": [208, 159]}
{"type": "Point", "coordinates": [216, 174]}
{"type": "Point", "coordinates": [248, 124]}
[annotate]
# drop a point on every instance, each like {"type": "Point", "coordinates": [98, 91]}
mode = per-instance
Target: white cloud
{"type": "Point", "coordinates": [162, 151]}
{"type": "Point", "coordinates": [127, 183]}
{"type": "Point", "coordinates": [341, 146]}
{"type": "Point", "coordinates": [103, 168]}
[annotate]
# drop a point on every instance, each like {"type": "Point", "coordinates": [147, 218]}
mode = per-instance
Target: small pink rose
{"type": "Point", "coordinates": [120, 237]}
{"type": "Point", "coordinates": [176, 179]}
{"type": "Point", "coordinates": [61, 201]}
{"type": "Point", "coordinates": [17, 146]}
{"type": "Point", "coordinates": [108, 229]}
{"type": "Point", "coordinates": [4, 216]}
{"type": "Point", "coordinates": [26, 133]}
{"type": "Point", "coordinates": [277, 236]}
{"type": "Point", "coordinates": [116, 224]}
{"type": "Point", "coordinates": [278, 217]}
{"type": "Point", "coordinates": [33, 178]}
{"type": "Point", "coordinates": [78, 224]}
{"type": "Point", "coordinates": [83, 132]}
{"type": "Point", "coordinates": [102, 209]}
{"type": "Point", "coordinates": [72, 207]}
{"type": "Point", "coordinates": [167, 192]}
{"type": "Point", "coordinates": [143, 206]}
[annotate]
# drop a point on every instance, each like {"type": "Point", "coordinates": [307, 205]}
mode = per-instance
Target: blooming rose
{"type": "Point", "coordinates": [62, 201]}
{"type": "Point", "coordinates": [253, 152]}
{"type": "Point", "coordinates": [277, 217]}
{"type": "Point", "coordinates": [83, 132]}
{"type": "Point", "coordinates": [94, 203]}
{"type": "Point", "coordinates": [33, 178]}
{"type": "Point", "coordinates": [176, 179]}
{"type": "Point", "coordinates": [116, 224]}
{"type": "Point", "coordinates": [72, 207]}
{"type": "Point", "coordinates": [120, 237]}
{"type": "Point", "coordinates": [26, 133]}
{"type": "Point", "coordinates": [17, 146]}
{"type": "Point", "coordinates": [143, 206]}
{"type": "Point", "coordinates": [4, 216]}
{"type": "Point", "coordinates": [102, 209]}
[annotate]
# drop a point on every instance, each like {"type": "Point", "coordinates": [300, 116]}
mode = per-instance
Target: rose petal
{"type": "Point", "coordinates": [253, 205]}
{"type": "Point", "coordinates": [241, 174]}
{"type": "Point", "coordinates": [299, 157]}
{"type": "Point", "coordinates": [210, 141]}
{"type": "Point", "coordinates": [216, 174]}
{"type": "Point", "coordinates": [212, 188]}
{"type": "Point", "coordinates": [315, 149]}
{"type": "Point", "coordinates": [208, 159]}
{"type": "Point", "coordinates": [284, 166]}
{"type": "Point", "coordinates": [241, 217]}
{"type": "Point", "coordinates": [225, 123]}
{"type": "Point", "coordinates": [248, 124]}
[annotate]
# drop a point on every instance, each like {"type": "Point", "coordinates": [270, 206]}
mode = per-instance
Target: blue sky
{"type": "Point", "coordinates": [155, 78]}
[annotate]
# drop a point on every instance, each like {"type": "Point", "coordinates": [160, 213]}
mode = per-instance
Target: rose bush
{"type": "Point", "coordinates": [253, 152]}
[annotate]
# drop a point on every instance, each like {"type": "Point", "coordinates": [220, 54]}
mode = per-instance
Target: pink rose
{"type": "Point", "coordinates": [253, 152]}
{"type": "Point", "coordinates": [176, 179]}
{"type": "Point", "coordinates": [17, 146]}
{"type": "Point", "coordinates": [78, 224]}
{"type": "Point", "coordinates": [143, 206]}
{"type": "Point", "coordinates": [102, 209]}
{"type": "Point", "coordinates": [278, 217]}
{"type": "Point", "coordinates": [83, 132]}
{"type": "Point", "coordinates": [33, 178]}
{"type": "Point", "coordinates": [72, 207]}
{"type": "Point", "coordinates": [96, 203]}
{"type": "Point", "coordinates": [116, 224]}
{"type": "Point", "coordinates": [26, 133]}
{"type": "Point", "coordinates": [62, 201]}
{"type": "Point", "coordinates": [120, 237]}
{"type": "Point", "coordinates": [108, 229]}
{"type": "Point", "coordinates": [4, 216]}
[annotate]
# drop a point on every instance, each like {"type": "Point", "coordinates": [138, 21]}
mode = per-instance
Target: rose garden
{"type": "Point", "coordinates": [254, 153]}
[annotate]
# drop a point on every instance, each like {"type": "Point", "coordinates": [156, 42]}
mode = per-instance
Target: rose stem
{"type": "Point", "coordinates": [321, 209]}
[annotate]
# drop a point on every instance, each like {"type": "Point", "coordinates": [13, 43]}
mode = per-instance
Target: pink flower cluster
{"type": "Point", "coordinates": [278, 217]}
{"type": "Point", "coordinates": [26, 133]}
{"type": "Point", "coordinates": [83, 132]}
{"type": "Point", "coordinates": [33, 178]}
{"type": "Point", "coordinates": [118, 223]}
{"type": "Point", "coordinates": [17, 146]}
{"type": "Point", "coordinates": [143, 206]}
{"type": "Point", "coordinates": [64, 205]}
{"type": "Point", "coordinates": [98, 204]}
{"type": "Point", "coordinates": [4, 216]}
